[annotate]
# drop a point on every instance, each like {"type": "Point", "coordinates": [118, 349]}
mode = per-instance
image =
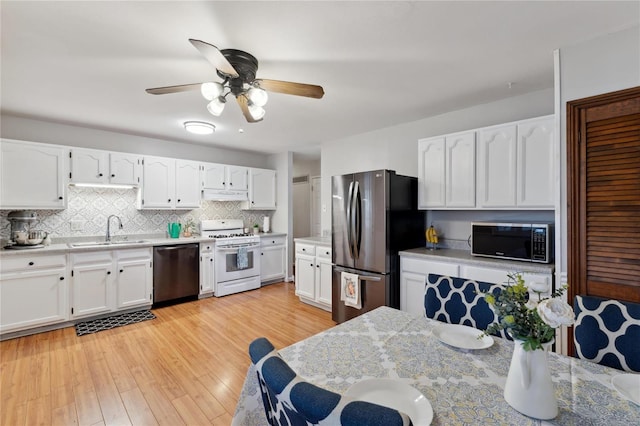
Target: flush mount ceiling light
{"type": "Point", "coordinates": [238, 70]}
{"type": "Point", "coordinates": [199, 127]}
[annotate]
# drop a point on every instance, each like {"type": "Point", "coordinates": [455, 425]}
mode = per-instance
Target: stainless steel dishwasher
{"type": "Point", "coordinates": [176, 272]}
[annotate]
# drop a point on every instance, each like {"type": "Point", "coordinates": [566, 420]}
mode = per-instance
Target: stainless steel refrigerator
{"type": "Point", "coordinates": [374, 215]}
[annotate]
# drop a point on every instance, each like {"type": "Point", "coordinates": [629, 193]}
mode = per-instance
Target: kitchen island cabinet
{"type": "Point", "coordinates": [33, 292]}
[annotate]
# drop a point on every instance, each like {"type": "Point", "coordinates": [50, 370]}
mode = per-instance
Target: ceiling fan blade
{"type": "Point", "coordinates": [290, 88]}
{"type": "Point", "coordinates": [244, 106]}
{"type": "Point", "coordinates": [214, 56]}
{"type": "Point", "coordinates": [174, 89]}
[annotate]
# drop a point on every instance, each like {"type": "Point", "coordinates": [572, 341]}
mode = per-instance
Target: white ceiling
{"type": "Point", "coordinates": [380, 63]}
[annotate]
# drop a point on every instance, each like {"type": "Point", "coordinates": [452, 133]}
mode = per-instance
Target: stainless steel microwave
{"type": "Point", "coordinates": [519, 241]}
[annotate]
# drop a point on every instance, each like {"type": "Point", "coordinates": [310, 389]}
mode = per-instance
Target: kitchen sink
{"type": "Point", "coordinates": [107, 243]}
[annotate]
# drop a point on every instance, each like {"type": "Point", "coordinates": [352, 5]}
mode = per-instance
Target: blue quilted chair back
{"type": "Point", "coordinates": [457, 300]}
{"type": "Point", "coordinates": [607, 332]}
{"type": "Point", "coordinates": [289, 400]}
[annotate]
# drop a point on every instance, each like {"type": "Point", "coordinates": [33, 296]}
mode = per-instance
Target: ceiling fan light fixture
{"type": "Point", "coordinates": [257, 112]}
{"type": "Point", "coordinates": [258, 96]}
{"type": "Point", "coordinates": [211, 90]}
{"type": "Point", "coordinates": [216, 106]}
{"type": "Point", "coordinates": [199, 127]}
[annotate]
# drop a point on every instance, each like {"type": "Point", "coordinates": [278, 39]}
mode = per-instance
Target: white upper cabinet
{"type": "Point", "coordinates": [32, 176]}
{"type": "Point", "coordinates": [497, 166]}
{"type": "Point", "coordinates": [187, 188]}
{"type": "Point", "coordinates": [536, 172]}
{"type": "Point", "coordinates": [92, 166]}
{"type": "Point", "coordinates": [516, 165]}
{"type": "Point", "coordinates": [224, 177]}
{"type": "Point", "coordinates": [262, 190]}
{"type": "Point", "coordinates": [159, 183]}
{"type": "Point", "coordinates": [446, 171]}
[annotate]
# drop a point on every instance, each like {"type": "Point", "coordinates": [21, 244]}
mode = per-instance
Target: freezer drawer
{"type": "Point", "coordinates": [375, 291]}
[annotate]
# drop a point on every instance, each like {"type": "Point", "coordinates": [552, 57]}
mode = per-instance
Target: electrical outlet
{"type": "Point", "coordinates": [76, 225]}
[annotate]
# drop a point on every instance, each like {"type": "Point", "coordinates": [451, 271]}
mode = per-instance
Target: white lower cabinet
{"type": "Point", "coordinates": [413, 278]}
{"type": "Point", "coordinates": [314, 274]}
{"type": "Point", "coordinates": [33, 292]}
{"type": "Point", "coordinates": [106, 281]}
{"type": "Point", "coordinates": [206, 269]}
{"type": "Point", "coordinates": [273, 258]}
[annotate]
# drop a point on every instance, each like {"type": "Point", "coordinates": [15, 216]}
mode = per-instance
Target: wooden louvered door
{"type": "Point", "coordinates": [603, 183]}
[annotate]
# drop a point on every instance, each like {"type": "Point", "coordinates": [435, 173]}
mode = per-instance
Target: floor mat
{"type": "Point", "coordinates": [108, 323]}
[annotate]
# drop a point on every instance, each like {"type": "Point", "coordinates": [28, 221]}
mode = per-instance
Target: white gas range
{"type": "Point", "coordinates": [236, 256]}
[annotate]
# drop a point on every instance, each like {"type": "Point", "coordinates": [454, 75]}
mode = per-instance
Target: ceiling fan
{"type": "Point", "coordinates": [238, 71]}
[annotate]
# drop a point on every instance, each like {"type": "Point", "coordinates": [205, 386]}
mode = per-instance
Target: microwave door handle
{"type": "Point", "coordinates": [349, 215]}
{"type": "Point", "coordinates": [358, 220]}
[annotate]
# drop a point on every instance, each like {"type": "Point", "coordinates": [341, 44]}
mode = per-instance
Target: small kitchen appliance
{"type": "Point", "coordinates": [236, 256]}
{"type": "Point", "coordinates": [529, 242]}
{"type": "Point", "coordinates": [22, 237]}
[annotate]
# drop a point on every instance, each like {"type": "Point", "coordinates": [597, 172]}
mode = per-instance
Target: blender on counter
{"type": "Point", "coordinates": [22, 237]}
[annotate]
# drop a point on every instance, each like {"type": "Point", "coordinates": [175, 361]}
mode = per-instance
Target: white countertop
{"type": "Point", "coordinates": [464, 257]}
{"type": "Point", "coordinates": [323, 241]}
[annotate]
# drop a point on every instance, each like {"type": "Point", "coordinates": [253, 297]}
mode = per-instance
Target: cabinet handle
{"type": "Point", "coordinates": [99, 174]}
{"type": "Point", "coordinates": [223, 183]}
{"type": "Point", "coordinates": [112, 175]}
{"type": "Point", "coordinates": [169, 200]}
{"type": "Point", "coordinates": [61, 278]}
{"type": "Point", "coordinates": [304, 249]}
{"type": "Point", "coordinates": [211, 259]}
{"type": "Point", "coordinates": [178, 199]}
{"type": "Point", "coordinates": [311, 264]}
{"type": "Point", "coordinates": [30, 263]}
{"type": "Point", "coordinates": [327, 253]}
{"type": "Point", "coordinates": [273, 242]}
{"type": "Point", "coordinates": [261, 254]}
{"type": "Point", "coordinates": [59, 198]}
{"type": "Point", "coordinates": [108, 272]}
{"type": "Point", "coordinates": [230, 183]}
{"type": "Point", "coordinates": [317, 266]}
{"type": "Point", "coordinates": [121, 270]}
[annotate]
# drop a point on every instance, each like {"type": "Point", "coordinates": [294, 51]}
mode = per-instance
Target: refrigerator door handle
{"type": "Point", "coordinates": [349, 215]}
{"type": "Point", "coordinates": [357, 232]}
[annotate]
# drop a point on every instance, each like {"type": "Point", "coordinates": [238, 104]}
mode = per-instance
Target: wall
{"type": "Point", "coordinates": [601, 65]}
{"type": "Point", "coordinates": [280, 220]}
{"type": "Point", "coordinates": [396, 147]}
{"type": "Point", "coordinates": [26, 129]}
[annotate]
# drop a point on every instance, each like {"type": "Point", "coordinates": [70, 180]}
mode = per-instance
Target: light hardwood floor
{"type": "Point", "coordinates": [187, 366]}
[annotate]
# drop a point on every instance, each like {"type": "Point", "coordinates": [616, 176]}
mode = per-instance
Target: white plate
{"type": "Point", "coordinates": [462, 336]}
{"type": "Point", "coordinates": [394, 394]}
{"type": "Point", "coordinates": [628, 385]}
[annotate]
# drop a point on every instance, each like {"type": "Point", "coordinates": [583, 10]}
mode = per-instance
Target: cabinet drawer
{"type": "Point", "coordinates": [273, 241]}
{"type": "Point", "coordinates": [426, 267]}
{"type": "Point", "coordinates": [323, 251]}
{"type": "Point", "coordinates": [136, 254]}
{"type": "Point", "coordinates": [305, 249]}
{"type": "Point", "coordinates": [32, 262]}
{"type": "Point", "coordinates": [206, 247]}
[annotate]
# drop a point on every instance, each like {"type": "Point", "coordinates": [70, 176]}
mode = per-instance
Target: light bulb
{"type": "Point", "coordinates": [258, 96]}
{"type": "Point", "coordinates": [210, 90]}
{"type": "Point", "coordinates": [216, 106]}
{"type": "Point", "coordinates": [257, 112]}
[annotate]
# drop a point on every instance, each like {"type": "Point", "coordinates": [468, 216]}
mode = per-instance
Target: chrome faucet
{"type": "Point", "coordinates": [108, 237]}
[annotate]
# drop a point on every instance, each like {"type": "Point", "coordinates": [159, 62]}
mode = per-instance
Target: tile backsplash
{"type": "Point", "coordinates": [90, 208]}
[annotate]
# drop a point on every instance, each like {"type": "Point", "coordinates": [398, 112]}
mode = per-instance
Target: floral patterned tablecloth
{"type": "Point", "coordinates": [463, 387]}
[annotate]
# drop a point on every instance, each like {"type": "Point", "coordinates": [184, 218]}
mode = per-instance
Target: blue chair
{"type": "Point", "coordinates": [607, 332]}
{"type": "Point", "coordinates": [457, 300]}
{"type": "Point", "coordinates": [289, 400]}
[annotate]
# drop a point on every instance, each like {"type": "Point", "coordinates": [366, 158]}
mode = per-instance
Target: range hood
{"type": "Point", "coordinates": [224, 195]}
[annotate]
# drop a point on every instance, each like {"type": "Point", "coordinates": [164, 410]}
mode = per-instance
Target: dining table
{"type": "Point", "coordinates": [462, 386]}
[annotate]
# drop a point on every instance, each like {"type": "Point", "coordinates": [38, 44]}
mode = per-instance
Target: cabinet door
{"type": "Point", "coordinates": [323, 281]}
{"type": "Point", "coordinates": [91, 288]}
{"type": "Point", "coordinates": [237, 178]}
{"type": "Point", "coordinates": [29, 299]}
{"type": "Point", "coordinates": [32, 176]}
{"type": "Point", "coordinates": [134, 283]}
{"type": "Point", "coordinates": [536, 160]}
{"type": "Point", "coordinates": [206, 273]}
{"type": "Point", "coordinates": [187, 184]}
{"type": "Point", "coordinates": [460, 169]}
{"type": "Point", "coordinates": [412, 288]}
{"type": "Point", "coordinates": [124, 169]}
{"type": "Point", "coordinates": [431, 173]}
{"type": "Point", "coordinates": [214, 176]}
{"type": "Point", "coordinates": [497, 167]}
{"type": "Point", "coordinates": [272, 263]}
{"type": "Point", "coordinates": [89, 166]}
{"type": "Point", "coordinates": [305, 276]}
{"type": "Point", "coordinates": [158, 183]}
{"type": "Point", "coordinates": [262, 189]}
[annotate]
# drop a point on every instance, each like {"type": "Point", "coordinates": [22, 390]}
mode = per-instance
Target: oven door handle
{"type": "Point", "coordinates": [236, 247]}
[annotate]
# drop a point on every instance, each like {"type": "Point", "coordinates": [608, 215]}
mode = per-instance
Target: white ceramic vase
{"type": "Point", "coordinates": [529, 388]}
